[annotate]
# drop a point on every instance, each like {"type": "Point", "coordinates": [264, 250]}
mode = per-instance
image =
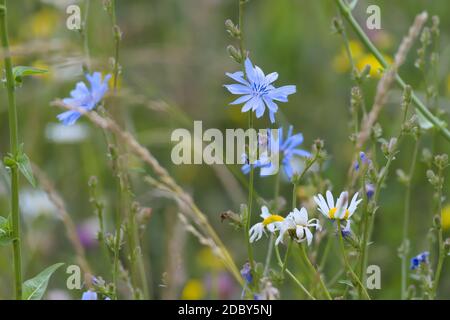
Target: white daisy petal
{"type": "Point", "coordinates": [300, 232]}
{"type": "Point", "coordinates": [309, 236]}
{"type": "Point", "coordinates": [264, 212]}
{"type": "Point", "coordinates": [330, 199]}
{"type": "Point", "coordinates": [301, 217]}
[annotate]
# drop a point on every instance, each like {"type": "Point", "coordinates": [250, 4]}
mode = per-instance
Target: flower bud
{"type": "Point", "coordinates": [427, 156]}
{"type": "Point", "coordinates": [441, 161]}
{"type": "Point", "coordinates": [437, 222]}
{"type": "Point", "coordinates": [232, 29]}
{"type": "Point", "coordinates": [234, 53]}
{"type": "Point", "coordinates": [318, 144]}
{"type": "Point", "coordinates": [402, 177]}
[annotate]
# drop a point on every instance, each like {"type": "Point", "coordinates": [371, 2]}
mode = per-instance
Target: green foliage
{"type": "Point", "coordinates": [34, 289]}
{"type": "Point", "coordinates": [23, 71]}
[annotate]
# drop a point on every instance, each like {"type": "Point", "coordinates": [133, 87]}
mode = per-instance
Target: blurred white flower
{"type": "Point", "coordinates": [298, 222]}
{"type": "Point", "coordinates": [59, 133]}
{"type": "Point", "coordinates": [58, 294]}
{"type": "Point", "coordinates": [34, 203]}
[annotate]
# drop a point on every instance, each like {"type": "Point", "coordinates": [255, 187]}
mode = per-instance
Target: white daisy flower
{"type": "Point", "coordinates": [340, 211]}
{"type": "Point", "coordinates": [298, 222]}
{"type": "Point", "coordinates": [270, 222]}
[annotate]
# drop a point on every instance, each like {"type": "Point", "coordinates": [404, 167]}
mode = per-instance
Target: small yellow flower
{"type": "Point", "coordinates": [341, 63]}
{"type": "Point", "coordinates": [445, 217]}
{"type": "Point", "coordinates": [44, 23]}
{"type": "Point", "coordinates": [369, 59]}
{"type": "Point", "coordinates": [207, 259]}
{"type": "Point", "coordinates": [193, 290]}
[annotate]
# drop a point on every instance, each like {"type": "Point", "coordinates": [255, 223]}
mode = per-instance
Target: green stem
{"type": "Point", "coordinates": [423, 110]}
{"type": "Point", "coordinates": [441, 250]}
{"type": "Point", "coordinates": [250, 204]}
{"type": "Point", "coordinates": [371, 213]}
{"type": "Point", "coordinates": [271, 241]}
{"type": "Point", "coordinates": [85, 33]}
{"type": "Point", "coordinates": [288, 251]}
{"type": "Point", "coordinates": [268, 255]}
{"type": "Point", "coordinates": [406, 215]}
{"type": "Point", "coordinates": [441, 254]}
{"type": "Point", "coordinates": [250, 126]}
{"type": "Point", "coordinates": [241, 29]}
{"type": "Point", "coordinates": [347, 263]}
{"type": "Point", "coordinates": [314, 271]}
{"type": "Point", "coordinates": [365, 225]}
{"type": "Point", "coordinates": [292, 276]}
{"type": "Point", "coordinates": [14, 145]}
{"type": "Point", "coordinates": [117, 36]}
{"type": "Point", "coordinates": [118, 223]}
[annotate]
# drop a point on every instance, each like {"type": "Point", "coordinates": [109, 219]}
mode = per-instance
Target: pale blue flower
{"type": "Point", "coordinates": [84, 97]}
{"type": "Point", "coordinates": [370, 190]}
{"type": "Point", "coordinates": [89, 295]}
{"type": "Point", "coordinates": [364, 161]}
{"type": "Point", "coordinates": [288, 147]}
{"type": "Point", "coordinates": [246, 273]}
{"type": "Point", "coordinates": [257, 90]}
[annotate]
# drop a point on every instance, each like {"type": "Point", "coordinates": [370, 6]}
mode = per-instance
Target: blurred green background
{"type": "Point", "coordinates": [173, 57]}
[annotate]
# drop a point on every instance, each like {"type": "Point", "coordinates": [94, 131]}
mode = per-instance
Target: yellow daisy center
{"type": "Point", "coordinates": [272, 218]}
{"type": "Point", "coordinates": [332, 212]}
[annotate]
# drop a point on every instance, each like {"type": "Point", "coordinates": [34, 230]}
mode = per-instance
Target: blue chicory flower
{"type": "Point", "coordinates": [89, 295]}
{"type": "Point", "coordinates": [419, 259]}
{"type": "Point", "coordinates": [246, 273]}
{"type": "Point", "coordinates": [370, 190]}
{"type": "Point", "coordinates": [257, 90]}
{"type": "Point", "coordinates": [287, 148]}
{"type": "Point", "coordinates": [347, 231]}
{"type": "Point", "coordinates": [364, 160]}
{"type": "Point", "coordinates": [84, 97]}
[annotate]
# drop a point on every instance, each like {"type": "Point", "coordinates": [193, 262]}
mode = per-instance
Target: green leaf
{"type": "Point", "coordinates": [347, 283]}
{"type": "Point", "coordinates": [22, 71]}
{"type": "Point", "coordinates": [24, 165]}
{"type": "Point", "coordinates": [34, 289]}
{"type": "Point", "coordinates": [5, 231]}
